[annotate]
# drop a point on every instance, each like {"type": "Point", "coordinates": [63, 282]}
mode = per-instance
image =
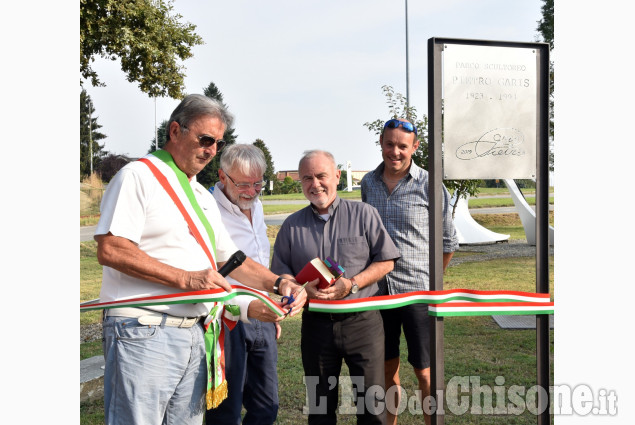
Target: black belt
{"type": "Point", "coordinates": [333, 317]}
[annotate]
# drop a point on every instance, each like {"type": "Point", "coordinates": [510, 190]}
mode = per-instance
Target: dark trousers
{"type": "Point", "coordinates": [251, 356]}
{"type": "Point", "coordinates": [358, 339]}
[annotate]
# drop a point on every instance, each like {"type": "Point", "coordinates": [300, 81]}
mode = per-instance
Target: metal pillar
{"type": "Point", "coordinates": [542, 234]}
{"type": "Point", "coordinates": [435, 170]}
{"type": "Point", "coordinates": [407, 68]}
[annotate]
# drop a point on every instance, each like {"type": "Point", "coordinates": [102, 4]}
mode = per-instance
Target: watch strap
{"type": "Point", "coordinates": [354, 285]}
{"type": "Point", "coordinates": [276, 286]}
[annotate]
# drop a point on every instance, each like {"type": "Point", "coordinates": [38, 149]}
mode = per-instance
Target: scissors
{"type": "Point", "coordinates": [290, 299]}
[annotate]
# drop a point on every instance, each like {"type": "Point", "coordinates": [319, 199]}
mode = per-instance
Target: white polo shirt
{"type": "Point", "coordinates": [136, 207]}
{"type": "Point", "coordinates": [249, 237]}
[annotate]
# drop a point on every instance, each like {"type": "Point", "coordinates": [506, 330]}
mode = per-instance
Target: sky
{"type": "Point", "coordinates": [306, 75]}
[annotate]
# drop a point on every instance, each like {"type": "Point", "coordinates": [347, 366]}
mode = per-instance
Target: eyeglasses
{"type": "Point", "coordinates": [246, 186]}
{"type": "Point", "coordinates": [206, 141]}
{"type": "Point", "coordinates": [406, 125]}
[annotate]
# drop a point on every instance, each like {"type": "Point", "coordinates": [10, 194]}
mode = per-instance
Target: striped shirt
{"type": "Point", "coordinates": [405, 215]}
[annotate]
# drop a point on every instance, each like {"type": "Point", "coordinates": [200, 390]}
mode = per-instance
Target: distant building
{"type": "Point", "coordinates": [356, 176]}
{"type": "Point", "coordinates": [281, 175]}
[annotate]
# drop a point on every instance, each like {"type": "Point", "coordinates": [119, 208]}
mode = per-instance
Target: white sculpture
{"type": "Point", "coordinates": [526, 213]}
{"type": "Point", "coordinates": [468, 230]}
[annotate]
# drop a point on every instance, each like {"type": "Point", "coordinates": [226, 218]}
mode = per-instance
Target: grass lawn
{"type": "Point", "coordinates": [474, 346]}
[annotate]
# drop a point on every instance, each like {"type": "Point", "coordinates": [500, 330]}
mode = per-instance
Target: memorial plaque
{"type": "Point", "coordinates": [489, 112]}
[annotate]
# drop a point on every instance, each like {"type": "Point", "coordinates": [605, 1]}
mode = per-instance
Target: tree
{"type": "Point", "coordinates": [110, 165]}
{"type": "Point", "coordinates": [162, 135]}
{"type": "Point", "coordinates": [343, 183]}
{"type": "Point", "coordinates": [145, 35]}
{"type": "Point", "coordinates": [290, 186]}
{"type": "Point", "coordinates": [209, 175]}
{"type": "Point", "coordinates": [270, 173]}
{"type": "Point", "coordinates": [88, 130]}
{"type": "Point", "coordinates": [397, 108]}
{"type": "Point", "coordinates": [545, 28]}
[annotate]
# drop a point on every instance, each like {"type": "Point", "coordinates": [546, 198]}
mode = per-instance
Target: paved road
{"type": "Point", "coordinates": [87, 232]}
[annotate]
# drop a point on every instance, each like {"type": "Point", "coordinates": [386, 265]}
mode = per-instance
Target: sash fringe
{"type": "Point", "coordinates": [215, 396]}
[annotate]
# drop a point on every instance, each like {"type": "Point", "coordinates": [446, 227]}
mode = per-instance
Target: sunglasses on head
{"type": "Point", "coordinates": [207, 141]}
{"type": "Point", "coordinates": [406, 125]}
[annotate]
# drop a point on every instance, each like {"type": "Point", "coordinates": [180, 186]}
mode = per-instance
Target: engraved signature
{"type": "Point", "coordinates": [496, 142]}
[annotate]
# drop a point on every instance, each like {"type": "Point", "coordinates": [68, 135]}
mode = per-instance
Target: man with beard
{"type": "Point", "coordinates": [251, 353]}
{"type": "Point", "coordinates": [351, 233]}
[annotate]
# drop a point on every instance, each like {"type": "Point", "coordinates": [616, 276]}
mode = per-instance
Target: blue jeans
{"type": "Point", "coordinates": [251, 357]}
{"type": "Point", "coordinates": [154, 374]}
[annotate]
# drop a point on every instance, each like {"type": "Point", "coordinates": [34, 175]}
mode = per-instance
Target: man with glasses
{"type": "Point", "coordinates": [398, 188]}
{"type": "Point", "coordinates": [251, 352]}
{"type": "Point", "coordinates": [161, 234]}
{"type": "Point", "coordinates": [352, 234]}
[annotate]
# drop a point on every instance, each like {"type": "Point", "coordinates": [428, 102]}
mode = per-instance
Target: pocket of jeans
{"type": "Point", "coordinates": [132, 330]}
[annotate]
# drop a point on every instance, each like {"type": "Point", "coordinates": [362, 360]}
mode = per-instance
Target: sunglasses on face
{"type": "Point", "coordinates": [207, 141]}
{"type": "Point", "coordinates": [405, 125]}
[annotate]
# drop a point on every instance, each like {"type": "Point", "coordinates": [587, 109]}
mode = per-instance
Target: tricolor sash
{"type": "Point", "coordinates": [183, 197]}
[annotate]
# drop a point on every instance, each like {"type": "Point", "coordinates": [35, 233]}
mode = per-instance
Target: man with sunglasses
{"type": "Point", "coordinates": [398, 188]}
{"type": "Point", "coordinates": [251, 352]}
{"type": "Point", "coordinates": [161, 234]}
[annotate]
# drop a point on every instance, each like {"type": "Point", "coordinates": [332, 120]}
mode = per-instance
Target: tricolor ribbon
{"type": "Point", "coordinates": [490, 309]}
{"type": "Point", "coordinates": [451, 302]}
{"type": "Point", "coordinates": [442, 303]}
{"type": "Point", "coordinates": [206, 296]}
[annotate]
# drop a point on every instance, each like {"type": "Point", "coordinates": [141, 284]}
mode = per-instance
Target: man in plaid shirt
{"type": "Point", "coordinates": [398, 188]}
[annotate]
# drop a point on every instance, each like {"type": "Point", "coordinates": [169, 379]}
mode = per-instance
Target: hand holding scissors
{"type": "Point", "coordinates": [290, 298]}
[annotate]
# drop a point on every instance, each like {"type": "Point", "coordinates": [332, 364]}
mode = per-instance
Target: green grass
{"type": "Point", "coordinates": [90, 349]}
{"type": "Point", "coordinates": [474, 346]}
{"type": "Point", "coordinates": [355, 194]}
{"type": "Point", "coordinates": [90, 275]}
{"type": "Point", "coordinates": [500, 202]}
{"type": "Point", "coordinates": [92, 413]}
{"type": "Point", "coordinates": [270, 209]}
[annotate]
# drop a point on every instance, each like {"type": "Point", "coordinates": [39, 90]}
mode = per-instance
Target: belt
{"type": "Point", "coordinates": [148, 317]}
{"type": "Point", "coordinates": [333, 317]}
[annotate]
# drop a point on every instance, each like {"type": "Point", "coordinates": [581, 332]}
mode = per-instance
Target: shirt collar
{"type": "Point", "coordinates": [413, 172]}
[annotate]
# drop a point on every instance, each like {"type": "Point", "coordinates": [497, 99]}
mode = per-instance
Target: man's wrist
{"type": "Point", "coordinates": [276, 285]}
{"type": "Point", "coordinates": [354, 287]}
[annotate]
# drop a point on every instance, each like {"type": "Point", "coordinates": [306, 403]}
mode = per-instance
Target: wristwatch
{"type": "Point", "coordinates": [276, 286]}
{"type": "Point", "coordinates": [354, 287]}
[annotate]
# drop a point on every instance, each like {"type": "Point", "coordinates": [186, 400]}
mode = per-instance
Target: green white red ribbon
{"type": "Point", "coordinates": [206, 296]}
{"type": "Point", "coordinates": [489, 309]}
{"type": "Point", "coordinates": [452, 302]}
